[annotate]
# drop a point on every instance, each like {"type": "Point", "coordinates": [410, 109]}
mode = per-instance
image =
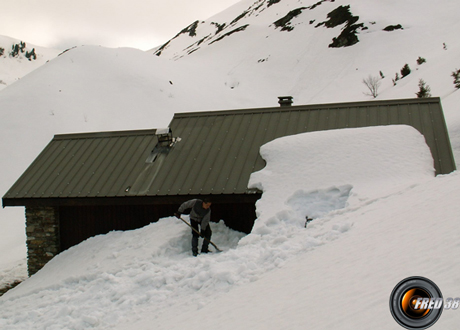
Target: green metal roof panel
{"type": "Point", "coordinates": [85, 165]}
{"type": "Point", "coordinates": [217, 152]}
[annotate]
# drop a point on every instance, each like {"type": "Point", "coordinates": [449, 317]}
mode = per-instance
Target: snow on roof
{"type": "Point", "coordinates": [327, 170]}
{"type": "Point", "coordinates": [217, 153]}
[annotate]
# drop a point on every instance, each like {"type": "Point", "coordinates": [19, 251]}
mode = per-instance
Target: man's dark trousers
{"type": "Point", "coordinates": [206, 234]}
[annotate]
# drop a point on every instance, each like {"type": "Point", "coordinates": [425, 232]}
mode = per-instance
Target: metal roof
{"type": "Point", "coordinates": [216, 154]}
{"type": "Point", "coordinates": [85, 165]}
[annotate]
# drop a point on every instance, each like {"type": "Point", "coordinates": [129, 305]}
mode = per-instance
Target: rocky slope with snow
{"type": "Point", "coordinates": [290, 46]}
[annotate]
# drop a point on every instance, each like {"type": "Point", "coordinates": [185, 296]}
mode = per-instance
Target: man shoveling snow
{"type": "Point", "coordinates": [200, 215]}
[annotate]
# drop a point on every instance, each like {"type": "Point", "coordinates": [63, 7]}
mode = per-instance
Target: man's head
{"type": "Point", "coordinates": [206, 203]}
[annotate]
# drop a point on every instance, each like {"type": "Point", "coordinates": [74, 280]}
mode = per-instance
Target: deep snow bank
{"type": "Point", "coordinates": [106, 278]}
{"type": "Point", "coordinates": [346, 284]}
{"type": "Point", "coordinates": [315, 173]}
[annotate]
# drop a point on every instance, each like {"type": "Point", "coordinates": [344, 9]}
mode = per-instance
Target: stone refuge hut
{"type": "Point", "coordinates": [83, 185]}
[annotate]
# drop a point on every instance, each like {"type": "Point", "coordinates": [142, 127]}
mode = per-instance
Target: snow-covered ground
{"type": "Point", "coordinates": [380, 214]}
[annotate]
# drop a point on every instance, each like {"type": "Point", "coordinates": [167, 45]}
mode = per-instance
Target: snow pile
{"type": "Point", "coordinates": [328, 170]}
{"type": "Point", "coordinates": [108, 277]}
{"type": "Point", "coordinates": [13, 263]}
{"type": "Point", "coordinates": [346, 283]}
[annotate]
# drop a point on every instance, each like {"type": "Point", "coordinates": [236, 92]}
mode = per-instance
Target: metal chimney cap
{"type": "Point", "coordinates": [285, 101]}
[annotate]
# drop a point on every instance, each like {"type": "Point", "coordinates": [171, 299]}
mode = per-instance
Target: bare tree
{"type": "Point", "coordinates": [373, 84]}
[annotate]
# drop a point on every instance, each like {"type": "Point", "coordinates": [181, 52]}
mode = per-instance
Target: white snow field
{"type": "Point", "coordinates": [380, 214]}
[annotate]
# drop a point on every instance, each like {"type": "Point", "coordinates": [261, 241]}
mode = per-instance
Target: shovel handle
{"type": "Point", "coordinates": [196, 231]}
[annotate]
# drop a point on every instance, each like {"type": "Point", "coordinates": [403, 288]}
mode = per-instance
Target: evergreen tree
{"type": "Point", "coordinates": [22, 46]}
{"type": "Point", "coordinates": [420, 60]}
{"type": "Point", "coordinates": [395, 79]}
{"type": "Point", "coordinates": [31, 55]}
{"type": "Point", "coordinates": [424, 89]}
{"type": "Point", "coordinates": [14, 50]}
{"type": "Point", "coordinates": [456, 76]}
{"type": "Point", "coordinates": [17, 48]}
{"type": "Point", "coordinates": [405, 71]}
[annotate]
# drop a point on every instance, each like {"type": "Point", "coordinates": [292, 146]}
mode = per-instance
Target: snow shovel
{"type": "Point", "coordinates": [196, 231]}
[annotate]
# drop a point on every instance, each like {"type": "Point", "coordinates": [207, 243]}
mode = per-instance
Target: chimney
{"type": "Point", "coordinates": [285, 101]}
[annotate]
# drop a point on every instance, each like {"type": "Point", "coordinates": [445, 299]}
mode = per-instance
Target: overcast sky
{"type": "Point", "coordinates": [141, 24]}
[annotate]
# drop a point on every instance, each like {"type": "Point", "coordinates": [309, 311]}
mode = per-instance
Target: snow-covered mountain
{"type": "Point", "coordinates": [247, 17]}
{"type": "Point", "coordinates": [18, 58]}
{"type": "Point", "coordinates": [245, 57]}
{"type": "Point", "coordinates": [312, 50]}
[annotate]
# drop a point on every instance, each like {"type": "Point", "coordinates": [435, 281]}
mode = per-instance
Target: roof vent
{"type": "Point", "coordinates": [164, 136]}
{"type": "Point", "coordinates": [285, 101]}
{"type": "Point", "coordinates": [164, 145]}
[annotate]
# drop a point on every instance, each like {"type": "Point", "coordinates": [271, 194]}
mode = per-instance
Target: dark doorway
{"type": "Point", "coordinates": [78, 223]}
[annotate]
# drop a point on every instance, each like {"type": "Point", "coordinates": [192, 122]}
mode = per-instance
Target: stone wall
{"type": "Point", "coordinates": [42, 229]}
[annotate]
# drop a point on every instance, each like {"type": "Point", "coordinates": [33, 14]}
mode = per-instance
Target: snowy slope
{"type": "Point", "coordinates": [13, 68]}
{"type": "Point", "coordinates": [346, 283]}
{"type": "Point", "coordinates": [300, 63]}
{"type": "Point", "coordinates": [147, 281]}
